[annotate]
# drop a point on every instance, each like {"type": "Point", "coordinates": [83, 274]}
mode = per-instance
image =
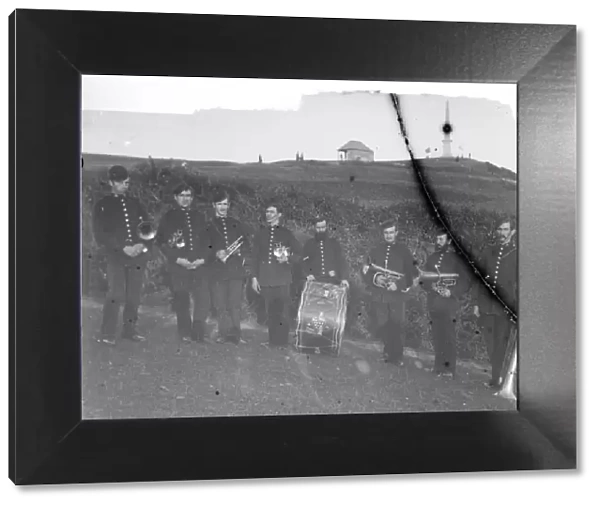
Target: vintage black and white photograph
{"type": "Point", "coordinates": [282, 247]}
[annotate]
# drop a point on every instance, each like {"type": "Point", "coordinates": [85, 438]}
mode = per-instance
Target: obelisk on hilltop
{"type": "Point", "coordinates": [447, 130]}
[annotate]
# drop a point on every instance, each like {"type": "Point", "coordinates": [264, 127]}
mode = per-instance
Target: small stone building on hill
{"type": "Point", "coordinates": [355, 151]}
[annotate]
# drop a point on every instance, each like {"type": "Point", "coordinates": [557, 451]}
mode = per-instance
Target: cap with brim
{"type": "Point", "coordinates": [118, 173]}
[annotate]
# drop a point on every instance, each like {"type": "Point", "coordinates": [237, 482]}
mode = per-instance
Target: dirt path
{"type": "Point", "coordinates": [161, 379]}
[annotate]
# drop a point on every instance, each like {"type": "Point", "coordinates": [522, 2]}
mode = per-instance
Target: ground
{"type": "Point", "coordinates": [162, 378]}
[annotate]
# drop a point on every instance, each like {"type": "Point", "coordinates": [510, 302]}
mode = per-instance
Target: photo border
{"type": "Point", "coordinates": [49, 442]}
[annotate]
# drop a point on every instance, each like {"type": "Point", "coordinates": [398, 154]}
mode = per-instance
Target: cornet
{"type": "Point", "coordinates": [233, 247]}
{"type": "Point", "coordinates": [281, 252]}
{"type": "Point", "coordinates": [177, 240]}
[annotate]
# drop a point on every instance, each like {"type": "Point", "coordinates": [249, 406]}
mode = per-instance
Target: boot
{"type": "Point", "coordinates": [181, 304]}
{"type": "Point", "coordinates": [106, 339]}
{"type": "Point", "coordinates": [394, 344]}
{"type": "Point", "coordinates": [130, 333]}
{"type": "Point", "coordinates": [184, 327]}
{"type": "Point", "coordinates": [198, 331]}
{"type": "Point", "coordinates": [233, 336]}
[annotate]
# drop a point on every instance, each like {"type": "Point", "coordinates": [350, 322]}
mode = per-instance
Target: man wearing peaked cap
{"type": "Point", "coordinates": [116, 221]}
{"type": "Point", "coordinates": [389, 271]}
{"type": "Point", "coordinates": [443, 301]}
{"type": "Point", "coordinates": [274, 250]}
{"type": "Point", "coordinates": [184, 239]}
{"type": "Point", "coordinates": [323, 258]}
{"type": "Point", "coordinates": [496, 298]}
{"type": "Point", "coordinates": [231, 244]}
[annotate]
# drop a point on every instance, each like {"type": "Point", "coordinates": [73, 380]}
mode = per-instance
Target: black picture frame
{"type": "Point", "coordinates": [49, 442]}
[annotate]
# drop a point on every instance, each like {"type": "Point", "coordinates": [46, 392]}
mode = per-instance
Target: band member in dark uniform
{"type": "Point", "coordinates": [231, 244]}
{"type": "Point", "coordinates": [116, 220]}
{"type": "Point", "coordinates": [184, 239]}
{"type": "Point", "coordinates": [323, 259]}
{"type": "Point", "coordinates": [274, 250]}
{"type": "Point", "coordinates": [443, 301]}
{"type": "Point", "coordinates": [389, 271]}
{"type": "Point", "coordinates": [497, 300]}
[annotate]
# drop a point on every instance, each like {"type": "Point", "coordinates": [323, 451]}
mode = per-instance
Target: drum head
{"type": "Point", "coordinates": [321, 317]}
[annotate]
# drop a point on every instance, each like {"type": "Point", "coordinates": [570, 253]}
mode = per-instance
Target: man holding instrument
{"type": "Point", "coordinates": [184, 240]}
{"type": "Point", "coordinates": [497, 298]}
{"type": "Point", "coordinates": [323, 259]}
{"type": "Point", "coordinates": [116, 220]}
{"type": "Point", "coordinates": [389, 271]}
{"type": "Point", "coordinates": [274, 250]}
{"type": "Point", "coordinates": [443, 296]}
{"type": "Point", "coordinates": [228, 270]}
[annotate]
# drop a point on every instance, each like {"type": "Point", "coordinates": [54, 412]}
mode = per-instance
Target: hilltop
{"type": "Point", "coordinates": [465, 166]}
{"type": "Point", "coordinates": [370, 184]}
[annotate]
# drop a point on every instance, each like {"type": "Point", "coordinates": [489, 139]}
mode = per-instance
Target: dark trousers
{"type": "Point", "coordinates": [496, 330]}
{"type": "Point", "coordinates": [389, 323]}
{"type": "Point", "coordinates": [227, 295]}
{"type": "Point", "coordinates": [125, 284]}
{"type": "Point", "coordinates": [277, 300]}
{"type": "Point", "coordinates": [199, 293]}
{"type": "Point", "coordinates": [443, 330]}
{"type": "Point", "coordinates": [256, 302]}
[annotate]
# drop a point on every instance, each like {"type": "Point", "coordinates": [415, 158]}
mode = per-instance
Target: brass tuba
{"type": "Point", "coordinates": [508, 374]}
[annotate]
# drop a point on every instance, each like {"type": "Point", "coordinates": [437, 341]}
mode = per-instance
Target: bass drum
{"type": "Point", "coordinates": [321, 317]}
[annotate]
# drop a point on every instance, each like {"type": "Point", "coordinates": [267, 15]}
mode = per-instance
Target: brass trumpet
{"type": "Point", "coordinates": [233, 247]}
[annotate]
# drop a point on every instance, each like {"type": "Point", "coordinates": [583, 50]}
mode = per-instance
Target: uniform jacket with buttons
{"type": "Point", "coordinates": [223, 232]}
{"type": "Point", "coordinates": [395, 257]}
{"type": "Point", "coordinates": [265, 266]}
{"type": "Point", "coordinates": [498, 265]}
{"type": "Point", "coordinates": [446, 261]}
{"type": "Point", "coordinates": [183, 233]}
{"type": "Point", "coordinates": [115, 223]}
{"type": "Point", "coordinates": [321, 257]}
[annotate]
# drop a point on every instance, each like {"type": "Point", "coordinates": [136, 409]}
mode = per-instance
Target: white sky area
{"type": "Point", "coordinates": [483, 117]}
{"type": "Point", "coordinates": [183, 95]}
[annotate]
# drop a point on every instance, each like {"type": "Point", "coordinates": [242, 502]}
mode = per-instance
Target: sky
{"type": "Point", "coordinates": [238, 119]}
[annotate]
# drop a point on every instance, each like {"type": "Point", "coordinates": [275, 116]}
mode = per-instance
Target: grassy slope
{"type": "Point", "coordinates": [379, 183]}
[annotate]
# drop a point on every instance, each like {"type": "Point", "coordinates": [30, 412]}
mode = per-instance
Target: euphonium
{"type": "Point", "coordinates": [442, 280]}
{"type": "Point", "coordinates": [383, 277]}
